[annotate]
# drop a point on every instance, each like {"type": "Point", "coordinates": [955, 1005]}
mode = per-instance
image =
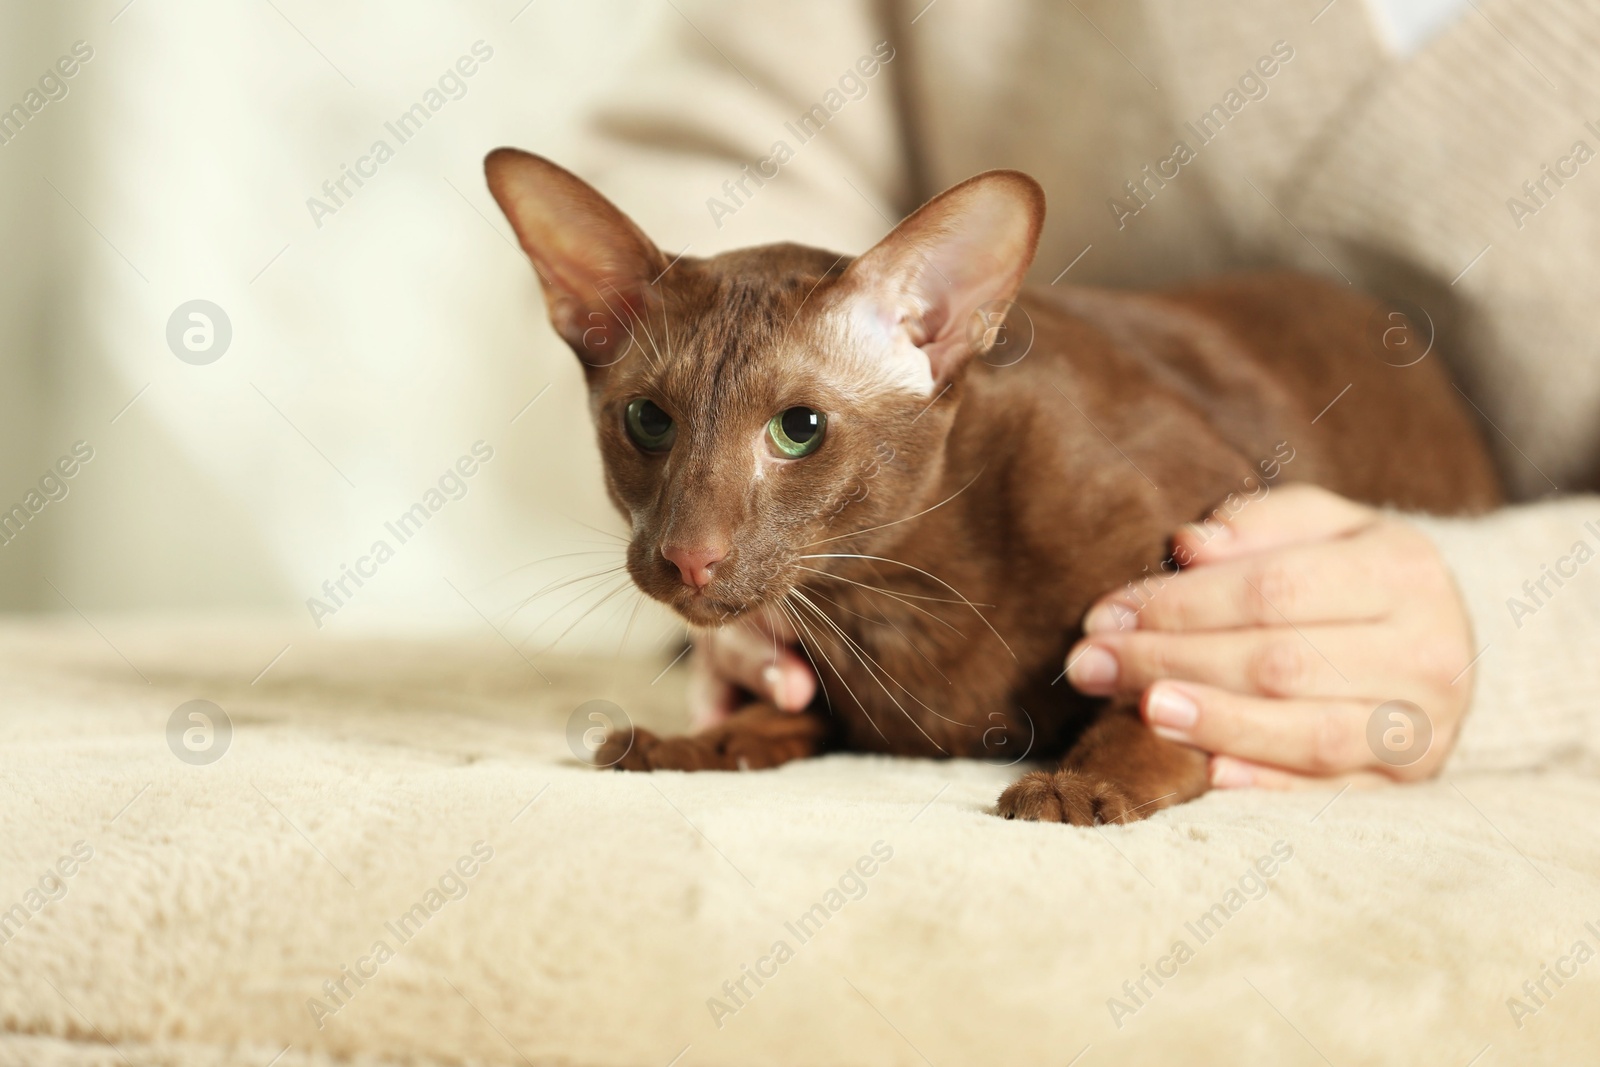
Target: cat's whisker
{"type": "Point", "coordinates": [908, 518]}
{"type": "Point", "coordinates": [820, 279]}
{"type": "Point", "coordinates": [771, 628]}
{"type": "Point", "coordinates": [550, 559]}
{"type": "Point", "coordinates": [885, 620]}
{"type": "Point", "coordinates": [788, 614]}
{"type": "Point", "coordinates": [644, 324]}
{"type": "Point", "coordinates": [592, 578]}
{"type": "Point", "coordinates": [882, 589]}
{"type": "Point", "coordinates": [603, 533]}
{"type": "Point", "coordinates": [853, 614]}
{"type": "Point", "coordinates": [880, 666]}
{"type": "Point", "coordinates": [622, 610]}
{"type": "Point", "coordinates": [588, 584]}
{"type": "Point", "coordinates": [855, 651]}
{"type": "Point", "coordinates": [676, 630]}
{"type": "Point", "coordinates": [562, 583]}
{"type": "Point", "coordinates": [828, 699]}
{"type": "Point", "coordinates": [801, 625]}
{"type": "Point", "coordinates": [859, 653]}
{"type": "Point", "coordinates": [643, 321]}
{"type": "Point", "coordinates": [618, 588]}
{"type": "Point", "coordinates": [666, 323]}
{"type": "Point", "coordinates": [901, 597]}
{"type": "Point", "coordinates": [915, 648]}
{"type": "Point", "coordinates": [925, 574]}
{"type": "Point", "coordinates": [633, 339]}
{"type": "Point", "coordinates": [633, 617]}
{"type": "Point", "coordinates": [800, 621]}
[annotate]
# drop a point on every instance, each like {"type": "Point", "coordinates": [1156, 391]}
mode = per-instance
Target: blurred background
{"type": "Point", "coordinates": [371, 345]}
{"type": "Point", "coordinates": [275, 341]}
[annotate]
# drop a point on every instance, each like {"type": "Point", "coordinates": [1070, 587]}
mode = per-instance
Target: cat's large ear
{"type": "Point", "coordinates": [938, 279]}
{"type": "Point", "coordinates": [594, 263]}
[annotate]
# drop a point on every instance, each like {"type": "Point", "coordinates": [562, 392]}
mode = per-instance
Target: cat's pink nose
{"type": "Point", "coordinates": [694, 562]}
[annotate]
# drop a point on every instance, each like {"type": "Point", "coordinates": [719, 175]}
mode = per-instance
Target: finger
{"type": "Point", "coordinates": [1230, 773]}
{"type": "Point", "coordinates": [711, 698]}
{"type": "Point", "coordinates": [1316, 737]}
{"type": "Point", "coordinates": [1347, 580]}
{"type": "Point", "coordinates": [1290, 515]}
{"type": "Point", "coordinates": [1282, 662]}
{"type": "Point", "coordinates": [762, 664]}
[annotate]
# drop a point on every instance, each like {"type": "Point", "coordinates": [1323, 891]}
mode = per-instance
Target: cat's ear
{"type": "Point", "coordinates": [594, 263]}
{"type": "Point", "coordinates": [939, 278]}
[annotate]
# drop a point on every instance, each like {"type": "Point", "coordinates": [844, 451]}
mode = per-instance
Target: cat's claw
{"type": "Point", "coordinates": [1066, 796]}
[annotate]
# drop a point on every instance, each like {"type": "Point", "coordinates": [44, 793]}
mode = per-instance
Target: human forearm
{"type": "Point", "coordinates": [1531, 582]}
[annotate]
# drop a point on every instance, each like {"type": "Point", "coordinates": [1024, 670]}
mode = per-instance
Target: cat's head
{"type": "Point", "coordinates": [763, 410]}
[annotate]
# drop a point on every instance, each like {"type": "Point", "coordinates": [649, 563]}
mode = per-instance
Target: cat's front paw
{"type": "Point", "coordinates": [641, 750]}
{"type": "Point", "coordinates": [755, 738]}
{"type": "Point", "coordinates": [626, 750]}
{"type": "Point", "coordinates": [1065, 796]}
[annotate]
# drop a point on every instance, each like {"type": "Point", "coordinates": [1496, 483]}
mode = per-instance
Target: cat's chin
{"type": "Point", "coordinates": [709, 612]}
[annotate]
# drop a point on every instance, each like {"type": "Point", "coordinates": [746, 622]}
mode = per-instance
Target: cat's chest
{"type": "Point", "coordinates": [909, 672]}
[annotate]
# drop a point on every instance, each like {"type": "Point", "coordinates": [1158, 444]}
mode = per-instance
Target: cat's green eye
{"type": "Point", "coordinates": [651, 428]}
{"type": "Point", "coordinates": [796, 432]}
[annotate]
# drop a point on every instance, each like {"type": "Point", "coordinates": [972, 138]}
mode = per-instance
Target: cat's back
{"type": "Point", "coordinates": [1245, 361]}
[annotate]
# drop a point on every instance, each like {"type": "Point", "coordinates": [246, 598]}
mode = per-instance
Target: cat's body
{"type": "Point", "coordinates": [1068, 471]}
{"type": "Point", "coordinates": [937, 564]}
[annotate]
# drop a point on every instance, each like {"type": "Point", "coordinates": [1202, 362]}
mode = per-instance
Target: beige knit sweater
{"type": "Point", "coordinates": [1453, 178]}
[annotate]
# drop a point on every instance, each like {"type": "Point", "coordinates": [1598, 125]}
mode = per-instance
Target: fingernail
{"type": "Point", "coordinates": [1094, 670]}
{"type": "Point", "coordinates": [1108, 616]}
{"type": "Point", "coordinates": [1169, 708]}
{"type": "Point", "coordinates": [1226, 774]}
{"type": "Point", "coordinates": [772, 678]}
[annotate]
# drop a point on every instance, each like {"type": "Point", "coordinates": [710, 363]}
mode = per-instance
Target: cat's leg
{"type": "Point", "coordinates": [753, 738]}
{"type": "Point", "coordinates": [1119, 771]}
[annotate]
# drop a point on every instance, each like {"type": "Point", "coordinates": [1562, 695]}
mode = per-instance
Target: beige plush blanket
{"type": "Point", "coordinates": [397, 860]}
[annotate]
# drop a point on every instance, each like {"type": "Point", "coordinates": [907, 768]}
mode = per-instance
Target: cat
{"type": "Point", "coordinates": [834, 440]}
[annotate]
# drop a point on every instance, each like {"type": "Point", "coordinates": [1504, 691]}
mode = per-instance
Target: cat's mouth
{"type": "Point", "coordinates": [702, 609]}
{"type": "Point", "coordinates": [715, 606]}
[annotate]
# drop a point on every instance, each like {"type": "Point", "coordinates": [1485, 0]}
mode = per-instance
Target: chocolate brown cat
{"type": "Point", "coordinates": [840, 442]}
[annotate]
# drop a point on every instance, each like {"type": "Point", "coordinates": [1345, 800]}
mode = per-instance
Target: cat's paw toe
{"type": "Point", "coordinates": [1062, 796]}
{"type": "Point", "coordinates": [626, 750]}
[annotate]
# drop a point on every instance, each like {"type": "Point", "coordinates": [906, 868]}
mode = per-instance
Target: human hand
{"type": "Point", "coordinates": [754, 657]}
{"type": "Point", "coordinates": [1287, 627]}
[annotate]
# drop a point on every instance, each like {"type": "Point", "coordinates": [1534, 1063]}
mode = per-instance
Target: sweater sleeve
{"type": "Point", "coordinates": [1530, 578]}
{"type": "Point", "coordinates": [740, 124]}
{"type": "Point", "coordinates": [1442, 184]}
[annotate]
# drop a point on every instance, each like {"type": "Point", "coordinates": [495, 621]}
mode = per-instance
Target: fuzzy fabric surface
{"type": "Point", "coordinates": [397, 859]}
